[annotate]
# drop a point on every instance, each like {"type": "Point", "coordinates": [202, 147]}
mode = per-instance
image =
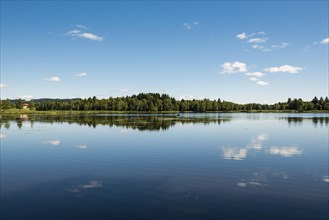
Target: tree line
{"type": "Point", "coordinates": [154, 102]}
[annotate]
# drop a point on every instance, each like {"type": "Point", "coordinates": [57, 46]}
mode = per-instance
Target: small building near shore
{"type": "Point", "coordinates": [25, 105]}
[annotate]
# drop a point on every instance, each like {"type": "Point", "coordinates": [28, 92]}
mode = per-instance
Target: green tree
{"type": "Point", "coordinates": [32, 105]}
{"type": "Point", "coordinates": [300, 105]}
{"type": "Point", "coordinates": [215, 106]}
{"type": "Point", "coordinates": [19, 104]}
{"type": "Point", "coordinates": [6, 104]}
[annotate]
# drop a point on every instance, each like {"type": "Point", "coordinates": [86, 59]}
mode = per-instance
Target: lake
{"type": "Point", "coordinates": [179, 166]}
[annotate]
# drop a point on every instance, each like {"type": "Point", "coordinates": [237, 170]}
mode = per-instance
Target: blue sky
{"type": "Point", "coordinates": [242, 51]}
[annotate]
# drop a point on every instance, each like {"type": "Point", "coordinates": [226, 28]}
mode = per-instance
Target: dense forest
{"type": "Point", "coordinates": [154, 102]}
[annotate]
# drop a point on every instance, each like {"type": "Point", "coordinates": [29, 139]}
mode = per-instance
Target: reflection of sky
{"type": "Point", "coordinates": [233, 153]}
{"type": "Point", "coordinates": [325, 179]}
{"type": "Point", "coordinates": [241, 184]}
{"type": "Point", "coordinates": [81, 146]}
{"type": "Point", "coordinates": [241, 153]}
{"type": "Point", "coordinates": [3, 135]}
{"type": "Point", "coordinates": [52, 142]}
{"type": "Point", "coordinates": [258, 144]}
{"type": "Point", "coordinates": [257, 179]}
{"type": "Point", "coordinates": [90, 185]}
{"type": "Point", "coordinates": [285, 151]}
{"type": "Point", "coordinates": [184, 159]}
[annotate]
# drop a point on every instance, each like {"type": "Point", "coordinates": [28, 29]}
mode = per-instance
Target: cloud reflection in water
{"type": "Point", "coordinates": [230, 153]}
{"type": "Point", "coordinates": [3, 135]}
{"type": "Point", "coordinates": [81, 146]}
{"type": "Point", "coordinates": [257, 143]}
{"type": "Point", "coordinates": [90, 185]}
{"type": "Point", "coordinates": [325, 179]}
{"type": "Point", "coordinates": [285, 151]}
{"type": "Point", "coordinates": [52, 142]}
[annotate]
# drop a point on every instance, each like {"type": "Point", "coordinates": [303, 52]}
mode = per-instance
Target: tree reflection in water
{"type": "Point", "coordinates": [138, 122]}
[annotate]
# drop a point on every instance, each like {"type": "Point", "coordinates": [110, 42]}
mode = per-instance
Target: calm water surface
{"type": "Point", "coordinates": [187, 166]}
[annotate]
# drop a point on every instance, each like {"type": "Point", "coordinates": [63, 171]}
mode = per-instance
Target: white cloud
{"type": "Point", "coordinates": [261, 33]}
{"type": "Point", "coordinates": [90, 36]}
{"type": "Point", "coordinates": [187, 26]}
{"type": "Point", "coordinates": [280, 46]}
{"type": "Point", "coordinates": [284, 68]}
{"type": "Point", "coordinates": [235, 67]}
{"type": "Point", "coordinates": [230, 153]}
{"type": "Point", "coordinates": [242, 36]}
{"type": "Point", "coordinates": [256, 33]}
{"type": "Point", "coordinates": [257, 40]}
{"type": "Point", "coordinates": [81, 26]}
{"type": "Point", "coordinates": [260, 47]}
{"type": "Point", "coordinates": [256, 46]}
{"type": "Point", "coordinates": [325, 41]}
{"type": "Point", "coordinates": [52, 142]}
{"type": "Point", "coordinates": [80, 33]}
{"type": "Point", "coordinates": [52, 79]}
{"type": "Point", "coordinates": [191, 25]}
{"type": "Point", "coordinates": [80, 74]}
{"type": "Point", "coordinates": [2, 85]}
{"type": "Point", "coordinates": [27, 97]}
{"type": "Point", "coordinates": [286, 151]}
{"type": "Point", "coordinates": [81, 146]}
{"type": "Point", "coordinates": [124, 90]}
{"type": "Point", "coordinates": [262, 83]}
{"type": "Point", "coordinates": [254, 79]}
{"type": "Point", "coordinates": [73, 32]}
{"type": "Point", "coordinates": [256, 74]}
{"type": "Point", "coordinates": [187, 97]}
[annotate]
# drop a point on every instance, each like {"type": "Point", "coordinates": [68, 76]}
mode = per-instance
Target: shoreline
{"type": "Point", "coordinates": [65, 112]}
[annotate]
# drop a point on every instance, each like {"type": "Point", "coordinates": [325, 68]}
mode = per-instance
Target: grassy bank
{"type": "Point", "coordinates": [64, 112]}
{"type": "Point", "coordinates": [34, 112]}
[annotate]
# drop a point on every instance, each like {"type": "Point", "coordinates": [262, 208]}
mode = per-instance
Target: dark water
{"type": "Point", "coordinates": [196, 166]}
